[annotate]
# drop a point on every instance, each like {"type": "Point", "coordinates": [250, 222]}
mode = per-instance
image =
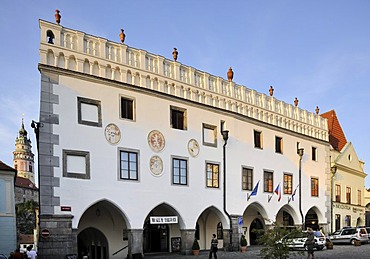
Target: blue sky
{"type": "Point", "coordinates": [318, 51]}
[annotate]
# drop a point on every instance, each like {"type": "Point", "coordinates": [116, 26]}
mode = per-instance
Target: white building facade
{"type": "Point", "coordinates": [133, 160]}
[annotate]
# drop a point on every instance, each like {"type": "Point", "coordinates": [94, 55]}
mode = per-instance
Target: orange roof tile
{"type": "Point", "coordinates": [5, 167]}
{"type": "Point", "coordinates": [336, 135]}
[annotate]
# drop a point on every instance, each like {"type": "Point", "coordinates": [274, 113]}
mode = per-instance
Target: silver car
{"type": "Point", "coordinates": [349, 235]}
{"type": "Point", "coordinates": [298, 240]}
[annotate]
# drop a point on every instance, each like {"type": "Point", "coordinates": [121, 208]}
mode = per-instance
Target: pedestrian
{"type": "Point", "coordinates": [31, 253]}
{"type": "Point", "coordinates": [214, 247]}
{"type": "Point", "coordinates": [16, 254]}
{"type": "Point", "coordinates": [310, 243]}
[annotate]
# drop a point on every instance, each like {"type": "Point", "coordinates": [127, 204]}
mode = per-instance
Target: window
{"type": "Point", "coordinates": [212, 175]}
{"type": "Point", "coordinates": [278, 145]}
{"type": "Point", "coordinates": [257, 139]}
{"type": "Point", "coordinates": [178, 118]}
{"type": "Point", "coordinates": [288, 183]}
{"type": "Point", "coordinates": [247, 179]}
{"type": "Point", "coordinates": [337, 193]}
{"type": "Point", "coordinates": [315, 187]}
{"type": "Point", "coordinates": [359, 197]}
{"type": "Point", "coordinates": [348, 195]}
{"type": "Point", "coordinates": [127, 108]}
{"type": "Point", "coordinates": [76, 164]}
{"type": "Point", "coordinates": [209, 135]}
{"type": "Point", "coordinates": [220, 231]}
{"type": "Point", "coordinates": [314, 154]}
{"type": "Point", "coordinates": [337, 222]}
{"type": "Point", "coordinates": [179, 171]}
{"type": "Point", "coordinates": [89, 112]}
{"type": "Point", "coordinates": [30, 169]}
{"type": "Point", "coordinates": [347, 220]}
{"type": "Point", "coordinates": [128, 165]}
{"type": "Point", "coordinates": [268, 181]}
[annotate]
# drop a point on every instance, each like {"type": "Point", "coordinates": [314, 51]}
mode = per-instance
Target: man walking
{"type": "Point", "coordinates": [214, 248]}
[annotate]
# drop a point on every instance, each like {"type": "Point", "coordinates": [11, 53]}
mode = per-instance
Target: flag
{"type": "Point", "coordinates": [294, 192]}
{"type": "Point", "coordinates": [255, 190]}
{"type": "Point", "coordinates": [278, 192]}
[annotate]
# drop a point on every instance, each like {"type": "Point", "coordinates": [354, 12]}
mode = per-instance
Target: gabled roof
{"type": "Point", "coordinates": [24, 183]}
{"type": "Point", "coordinates": [337, 139]}
{"type": "Point", "coordinates": [5, 167]}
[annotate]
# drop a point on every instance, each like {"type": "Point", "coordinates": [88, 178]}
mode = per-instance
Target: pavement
{"type": "Point", "coordinates": [253, 252]}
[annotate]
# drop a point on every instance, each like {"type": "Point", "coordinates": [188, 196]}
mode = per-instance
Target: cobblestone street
{"type": "Point", "coordinates": [339, 252]}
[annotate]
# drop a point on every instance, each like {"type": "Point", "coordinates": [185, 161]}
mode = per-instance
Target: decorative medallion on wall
{"type": "Point", "coordinates": [193, 147]}
{"type": "Point", "coordinates": [156, 140]}
{"type": "Point", "coordinates": [112, 133]}
{"type": "Point", "coordinates": [156, 165]}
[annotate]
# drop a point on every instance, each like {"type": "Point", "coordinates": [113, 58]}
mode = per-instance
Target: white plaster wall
{"type": "Point", "coordinates": [137, 199]}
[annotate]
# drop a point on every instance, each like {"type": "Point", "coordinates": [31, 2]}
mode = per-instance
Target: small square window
{"type": "Point", "coordinates": [89, 112]}
{"type": "Point", "coordinates": [257, 139]}
{"type": "Point", "coordinates": [127, 108]}
{"type": "Point", "coordinates": [178, 118]}
{"type": "Point", "coordinates": [279, 145]}
{"type": "Point", "coordinates": [209, 135]}
{"type": "Point", "coordinates": [76, 164]}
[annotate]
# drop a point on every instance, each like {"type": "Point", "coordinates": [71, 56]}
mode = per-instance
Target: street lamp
{"type": "Point", "coordinates": [225, 136]}
{"type": "Point", "coordinates": [333, 171]}
{"type": "Point", "coordinates": [300, 152]}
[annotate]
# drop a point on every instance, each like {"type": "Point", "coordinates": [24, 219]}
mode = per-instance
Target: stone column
{"type": "Point", "coordinates": [187, 239]}
{"type": "Point", "coordinates": [135, 242]}
{"type": "Point", "coordinates": [61, 239]}
{"type": "Point", "coordinates": [235, 237]}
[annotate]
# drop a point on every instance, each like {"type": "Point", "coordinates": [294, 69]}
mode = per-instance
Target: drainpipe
{"type": "Point", "coordinates": [300, 152]}
{"type": "Point", "coordinates": [225, 135]}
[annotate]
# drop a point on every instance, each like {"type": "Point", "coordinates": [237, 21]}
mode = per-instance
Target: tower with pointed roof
{"type": "Point", "coordinates": [23, 157]}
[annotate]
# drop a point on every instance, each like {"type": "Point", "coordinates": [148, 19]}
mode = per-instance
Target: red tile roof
{"type": "Point", "coordinates": [24, 183]}
{"type": "Point", "coordinates": [5, 167]}
{"type": "Point", "coordinates": [336, 135]}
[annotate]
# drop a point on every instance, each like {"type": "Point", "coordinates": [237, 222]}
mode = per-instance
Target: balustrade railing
{"type": "Point", "coordinates": [88, 54]}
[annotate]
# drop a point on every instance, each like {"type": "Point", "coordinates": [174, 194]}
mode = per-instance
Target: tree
{"type": "Point", "coordinates": [26, 217]}
{"type": "Point", "coordinates": [274, 246]}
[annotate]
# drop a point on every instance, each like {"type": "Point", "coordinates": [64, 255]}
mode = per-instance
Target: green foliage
{"type": "Point", "coordinates": [243, 241]}
{"type": "Point", "coordinates": [271, 239]}
{"type": "Point", "coordinates": [26, 217]}
{"type": "Point", "coordinates": [195, 245]}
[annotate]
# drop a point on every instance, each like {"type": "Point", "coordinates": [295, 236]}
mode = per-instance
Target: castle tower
{"type": "Point", "coordinates": [23, 157]}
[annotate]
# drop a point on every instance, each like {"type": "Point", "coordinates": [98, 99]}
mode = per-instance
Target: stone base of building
{"type": "Point", "coordinates": [57, 238]}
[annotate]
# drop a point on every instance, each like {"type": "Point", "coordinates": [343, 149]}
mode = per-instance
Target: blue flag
{"type": "Point", "coordinates": [255, 190]}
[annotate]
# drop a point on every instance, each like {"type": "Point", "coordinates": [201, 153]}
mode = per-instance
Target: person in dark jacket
{"type": "Point", "coordinates": [214, 248]}
{"type": "Point", "coordinates": [310, 243]}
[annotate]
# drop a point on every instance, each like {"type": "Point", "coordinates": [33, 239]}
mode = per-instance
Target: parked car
{"type": "Point", "coordinates": [367, 229]}
{"type": "Point", "coordinates": [349, 235]}
{"type": "Point", "coordinates": [298, 240]}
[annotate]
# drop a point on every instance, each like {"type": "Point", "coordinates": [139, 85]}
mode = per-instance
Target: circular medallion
{"type": "Point", "coordinates": [193, 147]}
{"type": "Point", "coordinates": [112, 133]}
{"type": "Point", "coordinates": [156, 165]}
{"type": "Point", "coordinates": [156, 140]}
